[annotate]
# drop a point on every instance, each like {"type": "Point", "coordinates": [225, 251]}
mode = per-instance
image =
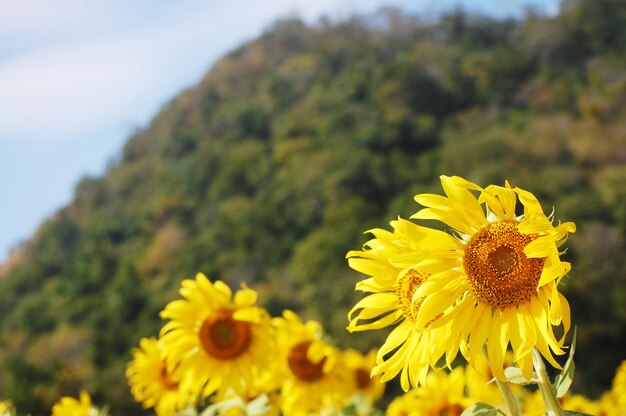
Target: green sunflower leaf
{"type": "Point", "coordinates": [571, 413]}
{"type": "Point", "coordinates": [480, 409]}
{"type": "Point", "coordinates": [563, 381]}
{"type": "Point", "coordinates": [514, 375]}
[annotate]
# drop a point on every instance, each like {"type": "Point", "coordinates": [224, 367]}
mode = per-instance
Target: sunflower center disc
{"type": "Point", "coordinates": [407, 286]}
{"type": "Point", "coordinates": [165, 378]}
{"type": "Point", "coordinates": [300, 364]}
{"type": "Point", "coordinates": [448, 409]}
{"type": "Point", "coordinates": [362, 377]}
{"type": "Point", "coordinates": [223, 337]}
{"type": "Point", "coordinates": [498, 272]}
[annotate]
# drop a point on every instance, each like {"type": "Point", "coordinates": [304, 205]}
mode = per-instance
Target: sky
{"type": "Point", "coordinates": [77, 78]}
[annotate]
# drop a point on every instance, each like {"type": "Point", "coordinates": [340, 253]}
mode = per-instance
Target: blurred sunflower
{"type": "Point", "coordinates": [406, 350]}
{"type": "Point", "coordinates": [442, 394]}
{"type": "Point", "coordinates": [577, 403]}
{"type": "Point", "coordinates": [315, 379]}
{"type": "Point", "coordinates": [69, 406]}
{"type": "Point", "coordinates": [610, 405]}
{"type": "Point", "coordinates": [214, 340]}
{"type": "Point", "coordinates": [613, 402]}
{"type": "Point", "coordinates": [6, 408]}
{"type": "Point", "coordinates": [371, 388]}
{"type": "Point", "coordinates": [494, 278]}
{"type": "Point", "coordinates": [619, 385]}
{"type": "Point", "coordinates": [151, 383]}
{"type": "Point", "coordinates": [230, 403]}
{"type": "Point", "coordinates": [531, 403]}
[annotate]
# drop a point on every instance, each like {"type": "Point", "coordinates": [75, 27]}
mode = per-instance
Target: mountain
{"type": "Point", "coordinates": [272, 167]}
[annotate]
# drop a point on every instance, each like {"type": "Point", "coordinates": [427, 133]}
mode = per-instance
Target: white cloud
{"type": "Point", "coordinates": [69, 90]}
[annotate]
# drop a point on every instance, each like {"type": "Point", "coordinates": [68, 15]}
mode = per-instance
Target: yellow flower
{"type": "Point", "coordinates": [494, 278]}
{"type": "Point", "coordinates": [215, 340]}
{"type": "Point", "coordinates": [618, 390]}
{"type": "Point", "coordinates": [532, 404]}
{"type": "Point", "coordinates": [407, 350]}
{"type": "Point", "coordinates": [69, 406]}
{"type": "Point", "coordinates": [361, 366]}
{"type": "Point", "coordinates": [231, 404]}
{"type": "Point", "coordinates": [6, 408]}
{"type": "Point", "coordinates": [315, 379]}
{"type": "Point", "coordinates": [580, 404]}
{"type": "Point", "coordinates": [442, 394]}
{"type": "Point", "coordinates": [610, 405]}
{"type": "Point", "coordinates": [151, 383]}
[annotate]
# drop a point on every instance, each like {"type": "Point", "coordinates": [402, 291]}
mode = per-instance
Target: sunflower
{"type": "Point", "coordinates": [214, 340]}
{"type": "Point", "coordinates": [610, 405]}
{"type": "Point", "coordinates": [230, 403]}
{"type": "Point", "coordinates": [532, 404]}
{"type": "Point", "coordinates": [69, 406]}
{"type": "Point", "coordinates": [6, 408]}
{"type": "Point", "coordinates": [371, 388]}
{"type": "Point", "coordinates": [407, 350]}
{"type": "Point", "coordinates": [442, 394]}
{"type": "Point", "coordinates": [494, 278]}
{"type": "Point", "coordinates": [581, 404]}
{"type": "Point", "coordinates": [315, 379]}
{"type": "Point", "coordinates": [619, 385]}
{"type": "Point", "coordinates": [151, 383]}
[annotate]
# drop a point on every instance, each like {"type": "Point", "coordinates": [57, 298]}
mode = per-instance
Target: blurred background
{"type": "Point", "coordinates": [141, 143]}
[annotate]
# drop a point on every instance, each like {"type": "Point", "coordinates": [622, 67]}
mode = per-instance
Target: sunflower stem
{"type": "Point", "coordinates": [510, 401]}
{"type": "Point", "coordinates": [547, 392]}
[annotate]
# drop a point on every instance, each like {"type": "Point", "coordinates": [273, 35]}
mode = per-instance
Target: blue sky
{"type": "Point", "coordinates": [77, 77]}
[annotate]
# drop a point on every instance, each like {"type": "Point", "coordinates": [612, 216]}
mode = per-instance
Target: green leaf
{"type": "Point", "coordinates": [482, 409]}
{"type": "Point", "coordinates": [564, 380]}
{"type": "Point", "coordinates": [349, 410]}
{"type": "Point", "coordinates": [569, 412]}
{"type": "Point", "coordinates": [514, 375]}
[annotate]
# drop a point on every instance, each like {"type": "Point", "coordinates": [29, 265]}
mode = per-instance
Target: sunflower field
{"type": "Point", "coordinates": [385, 215]}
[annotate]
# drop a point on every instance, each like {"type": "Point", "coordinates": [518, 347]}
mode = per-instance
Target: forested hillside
{"type": "Point", "coordinates": [272, 167]}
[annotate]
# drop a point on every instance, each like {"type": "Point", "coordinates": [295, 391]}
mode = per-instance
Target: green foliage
{"type": "Point", "coordinates": [481, 409]}
{"type": "Point", "coordinates": [564, 379]}
{"type": "Point", "coordinates": [514, 375]}
{"type": "Point", "coordinates": [293, 145]}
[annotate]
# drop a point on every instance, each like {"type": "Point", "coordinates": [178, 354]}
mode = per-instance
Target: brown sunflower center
{"type": "Point", "coordinates": [301, 366]}
{"type": "Point", "coordinates": [223, 337]}
{"type": "Point", "coordinates": [362, 377]}
{"type": "Point", "coordinates": [166, 379]}
{"type": "Point", "coordinates": [498, 272]}
{"type": "Point", "coordinates": [407, 286]}
{"type": "Point", "coordinates": [448, 409]}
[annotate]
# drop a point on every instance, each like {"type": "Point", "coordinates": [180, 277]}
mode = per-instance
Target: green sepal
{"type": "Point", "coordinates": [563, 381]}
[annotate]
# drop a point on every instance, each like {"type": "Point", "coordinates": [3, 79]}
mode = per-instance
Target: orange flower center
{"type": "Point", "coordinates": [223, 337]}
{"type": "Point", "coordinates": [498, 272]}
{"type": "Point", "coordinates": [300, 364]}
{"type": "Point", "coordinates": [407, 286]}
{"type": "Point", "coordinates": [448, 409]}
{"type": "Point", "coordinates": [165, 379]}
{"type": "Point", "coordinates": [362, 377]}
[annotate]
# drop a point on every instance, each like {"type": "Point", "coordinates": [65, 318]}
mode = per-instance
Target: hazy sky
{"type": "Point", "coordinates": [77, 77]}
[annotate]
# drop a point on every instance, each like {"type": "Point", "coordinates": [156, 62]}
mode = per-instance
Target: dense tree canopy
{"type": "Point", "coordinates": [270, 169]}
